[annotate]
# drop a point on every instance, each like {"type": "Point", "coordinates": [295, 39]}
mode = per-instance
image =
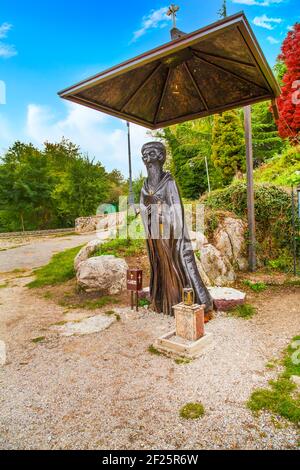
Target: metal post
{"type": "Point", "coordinates": [131, 195]}
{"type": "Point", "coordinates": [207, 173]}
{"type": "Point", "coordinates": [250, 188]}
{"type": "Point", "coordinates": [294, 233]}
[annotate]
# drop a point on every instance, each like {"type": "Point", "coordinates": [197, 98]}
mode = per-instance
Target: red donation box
{"type": "Point", "coordinates": [135, 284]}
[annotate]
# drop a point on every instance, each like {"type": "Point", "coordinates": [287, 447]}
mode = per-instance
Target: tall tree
{"type": "Point", "coordinates": [289, 100]}
{"type": "Point", "coordinates": [228, 148]}
{"type": "Point", "coordinates": [266, 140]}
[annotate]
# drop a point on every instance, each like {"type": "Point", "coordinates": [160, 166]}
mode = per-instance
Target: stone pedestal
{"type": "Point", "coordinates": [189, 321]}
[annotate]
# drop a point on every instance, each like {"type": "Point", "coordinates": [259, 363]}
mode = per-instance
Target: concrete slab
{"type": "Point", "coordinates": [177, 346]}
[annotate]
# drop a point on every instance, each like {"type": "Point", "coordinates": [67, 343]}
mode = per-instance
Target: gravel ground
{"type": "Point", "coordinates": [106, 391]}
{"type": "Point", "coordinates": [28, 253]}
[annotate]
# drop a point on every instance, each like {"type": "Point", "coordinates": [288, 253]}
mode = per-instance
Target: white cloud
{"type": "Point", "coordinates": [155, 19]}
{"type": "Point", "coordinates": [263, 3]}
{"type": "Point", "coordinates": [6, 50]}
{"type": "Point", "coordinates": [272, 40]}
{"type": "Point", "coordinates": [100, 135]}
{"type": "Point", "coordinates": [290, 27]}
{"type": "Point", "coordinates": [4, 28]}
{"type": "Point", "coordinates": [265, 22]}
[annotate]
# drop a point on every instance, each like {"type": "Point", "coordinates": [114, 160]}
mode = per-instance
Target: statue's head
{"type": "Point", "coordinates": [154, 153]}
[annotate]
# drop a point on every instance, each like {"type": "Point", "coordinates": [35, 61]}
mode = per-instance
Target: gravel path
{"type": "Point", "coordinates": [106, 391]}
{"type": "Point", "coordinates": [36, 251]}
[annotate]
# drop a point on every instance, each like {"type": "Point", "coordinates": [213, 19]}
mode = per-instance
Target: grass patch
{"type": "Point", "coordinates": [281, 398]}
{"type": "Point", "coordinates": [153, 350]}
{"type": "Point", "coordinates": [182, 360]}
{"type": "Point", "coordinates": [99, 303]}
{"type": "Point", "coordinates": [121, 248]}
{"type": "Point", "coordinates": [255, 286]}
{"type": "Point", "coordinates": [144, 303]}
{"type": "Point", "coordinates": [89, 304]}
{"type": "Point", "coordinates": [243, 311]}
{"type": "Point", "coordinates": [39, 339]}
{"type": "Point", "coordinates": [60, 323]}
{"type": "Point", "coordinates": [2, 286]}
{"type": "Point", "coordinates": [192, 411]}
{"type": "Point", "coordinates": [58, 270]}
{"type": "Point", "coordinates": [111, 312]}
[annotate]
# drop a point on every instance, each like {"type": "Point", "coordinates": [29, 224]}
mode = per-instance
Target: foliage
{"type": "Point", "coordinates": [192, 411]}
{"type": "Point", "coordinates": [273, 214]}
{"type": "Point", "coordinates": [282, 170]}
{"type": "Point", "coordinates": [137, 185]}
{"type": "Point", "coordinates": [50, 188]}
{"type": "Point", "coordinates": [255, 286]}
{"type": "Point", "coordinates": [289, 112]}
{"type": "Point", "coordinates": [281, 398]}
{"type": "Point", "coordinates": [243, 311]}
{"type": "Point", "coordinates": [228, 145]}
{"type": "Point", "coordinates": [189, 143]}
{"type": "Point", "coordinates": [58, 270]}
{"type": "Point", "coordinates": [121, 248]}
{"type": "Point", "coordinates": [284, 262]}
{"type": "Point", "coordinates": [266, 140]}
{"type": "Point", "coordinates": [144, 302]}
{"type": "Point", "coordinates": [154, 351]}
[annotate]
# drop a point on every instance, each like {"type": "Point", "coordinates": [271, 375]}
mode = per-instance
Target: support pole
{"type": "Point", "coordinates": [207, 174]}
{"type": "Point", "coordinates": [131, 195]}
{"type": "Point", "coordinates": [250, 188]}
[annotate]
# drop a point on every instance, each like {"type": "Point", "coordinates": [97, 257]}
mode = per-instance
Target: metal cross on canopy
{"type": "Point", "coordinates": [173, 9]}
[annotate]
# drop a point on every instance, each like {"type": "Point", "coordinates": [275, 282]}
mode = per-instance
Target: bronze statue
{"type": "Point", "coordinates": [170, 252]}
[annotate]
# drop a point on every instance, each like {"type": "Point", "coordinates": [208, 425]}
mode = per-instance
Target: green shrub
{"type": "Point", "coordinates": [255, 286]}
{"type": "Point", "coordinates": [192, 411]}
{"type": "Point", "coordinates": [243, 311]}
{"type": "Point", "coordinates": [273, 215]}
{"type": "Point", "coordinates": [121, 248]}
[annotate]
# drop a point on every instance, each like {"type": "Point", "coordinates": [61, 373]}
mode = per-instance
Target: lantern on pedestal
{"type": "Point", "coordinates": [188, 296]}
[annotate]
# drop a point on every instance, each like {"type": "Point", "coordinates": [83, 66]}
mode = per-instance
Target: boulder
{"type": "Point", "coordinates": [229, 239]}
{"type": "Point", "coordinates": [106, 274]}
{"type": "Point", "coordinates": [225, 298]}
{"type": "Point", "coordinates": [198, 239]}
{"type": "Point", "coordinates": [87, 224]}
{"type": "Point", "coordinates": [214, 268]}
{"type": "Point", "coordinates": [86, 252]}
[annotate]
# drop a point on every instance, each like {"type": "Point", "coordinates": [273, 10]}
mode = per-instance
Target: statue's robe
{"type": "Point", "coordinates": [170, 251]}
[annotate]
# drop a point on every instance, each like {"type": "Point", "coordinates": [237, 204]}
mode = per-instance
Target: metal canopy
{"type": "Point", "coordinates": [211, 70]}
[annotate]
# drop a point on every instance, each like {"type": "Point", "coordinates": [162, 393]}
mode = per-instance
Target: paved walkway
{"type": "Point", "coordinates": [38, 252]}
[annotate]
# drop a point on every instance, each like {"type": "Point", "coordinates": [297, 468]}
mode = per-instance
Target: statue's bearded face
{"type": "Point", "coordinates": [152, 156]}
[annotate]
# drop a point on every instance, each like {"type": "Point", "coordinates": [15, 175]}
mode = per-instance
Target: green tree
{"type": "Point", "coordinates": [266, 140]}
{"type": "Point", "coordinates": [228, 147]}
{"type": "Point", "coordinates": [189, 144]}
{"type": "Point", "coordinates": [50, 188]}
{"type": "Point", "coordinates": [25, 187]}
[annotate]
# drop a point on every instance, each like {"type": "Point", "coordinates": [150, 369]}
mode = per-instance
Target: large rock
{"type": "Point", "coordinates": [229, 239]}
{"type": "Point", "coordinates": [106, 274]}
{"type": "Point", "coordinates": [86, 252]}
{"type": "Point", "coordinates": [198, 239]}
{"type": "Point", "coordinates": [225, 298]}
{"type": "Point", "coordinates": [214, 268]}
{"type": "Point", "coordinates": [87, 224]}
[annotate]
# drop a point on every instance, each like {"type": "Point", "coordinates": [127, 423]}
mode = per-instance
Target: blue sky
{"type": "Point", "coordinates": [46, 46]}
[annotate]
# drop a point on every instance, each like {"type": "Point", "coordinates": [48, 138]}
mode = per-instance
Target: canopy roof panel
{"type": "Point", "coordinates": [211, 70]}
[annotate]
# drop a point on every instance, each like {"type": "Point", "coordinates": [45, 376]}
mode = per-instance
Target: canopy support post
{"type": "Point", "coordinates": [131, 195]}
{"type": "Point", "coordinates": [250, 189]}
